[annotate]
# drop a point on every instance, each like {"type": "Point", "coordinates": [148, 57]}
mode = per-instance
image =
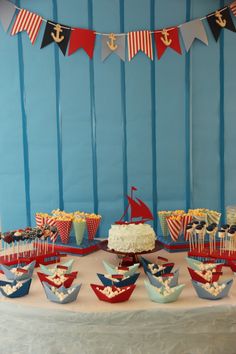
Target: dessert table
{"type": "Point", "coordinates": [191, 325]}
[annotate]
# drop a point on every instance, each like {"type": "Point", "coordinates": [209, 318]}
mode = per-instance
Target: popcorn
{"type": "Point", "coordinates": [165, 290]}
{"type": "Point", "coordinates": [61, 295]}
{"type": "Point", "coordinates": [178, 212]}
{"type": "Point", "coordinates": [18, 271]}
{"type": "Point", "coordinates": [111, 292]}
{"type": "Point", "coordinates": [164, 281]}
{"type": "Point", "coordinates": [8, 289]}
{"type": "Point", "coordinates": [214, 288]}
{"type": "Point", "coordinates": [207, 266]}
{"type": "Point", "coordinates": [206, 274]}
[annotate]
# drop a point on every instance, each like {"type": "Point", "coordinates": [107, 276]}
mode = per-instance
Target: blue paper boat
{"type": "Point", "coordinates": [70, 297]}
{"type": "Point", "coordinates": [22, 291]}
{"type": "Point", "coordinates": [49, 271]}
{"type": "Point", "coordinates": [156, 297]}
{"type": "Point", "coordinates": [196, 265]}
{"type": "Point", "coordinates": [111, 269]}
{"type": "Point", "coordinates": [126, 282]}
{"type": "Point", "coordinates": [11, 276]}
{"type": "Point", "coordinates": [174, 279]}
{"type": "Point", "coordinates": [167, 269]}
{"type": "Point", "coordinates": [204, 294]}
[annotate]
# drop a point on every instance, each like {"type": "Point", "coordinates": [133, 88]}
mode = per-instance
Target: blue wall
{"type": "Point", "coordinates": [76, 134]}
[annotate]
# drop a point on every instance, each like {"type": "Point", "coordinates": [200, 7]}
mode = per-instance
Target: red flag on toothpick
{"type": "Point", "coordinates": [82, 38]}
{"type": "Point", "coordinates": [167, 38]}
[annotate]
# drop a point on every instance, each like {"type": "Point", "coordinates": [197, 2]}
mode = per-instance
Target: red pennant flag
{"type": "Point", "coordinates": [167, 38]}
{"type": "Point", "coordinates": [82, 38]}
{"type": "Point", "coordinates": [29, 22]}
{"type": "Point", "coordinates": [140, 40]}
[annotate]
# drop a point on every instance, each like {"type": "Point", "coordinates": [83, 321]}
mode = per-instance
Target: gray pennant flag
{"type": "Point", "coordinates": [113, 44]}
{"type": "Point", "coordinates": [191, 30]}
{"type": "Point", "coordinates": [7, 11]}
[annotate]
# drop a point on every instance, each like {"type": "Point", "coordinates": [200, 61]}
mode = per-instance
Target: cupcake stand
{"type": "Point", "coordinates": [128, 259]}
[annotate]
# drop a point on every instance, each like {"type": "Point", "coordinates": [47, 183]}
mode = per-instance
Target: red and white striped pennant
{"type": "Point", "coordinates": [29, 22]}
{"type": "Point", "coordinates": [140, 40]}
{"type": "Point", "coordinates": [233, 8]}
{"type": "Point", "coordinates": [174, 227]}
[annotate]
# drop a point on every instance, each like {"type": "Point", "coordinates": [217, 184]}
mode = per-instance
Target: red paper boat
{"type": "Point", "coordinates": [124, 296]}
{"type": "Point", "coordinates": [67, 283]}
{"type": "Point", "coordinates": [195, 276]}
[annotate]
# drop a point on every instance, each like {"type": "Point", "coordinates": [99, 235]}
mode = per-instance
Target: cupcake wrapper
{"type": "Point", "coordinates": [185, 221]}
{"type": "Point", "coordinates": [92, 227]}
{"type": "Point", "coordinates": [64, 228]}
{"type": "Point", "coordinates": [163, 223]}
{"type": "Point", "coordinates": [175, 227]}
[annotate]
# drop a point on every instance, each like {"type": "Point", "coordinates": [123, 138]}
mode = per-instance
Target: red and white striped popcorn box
{"type": "Point", "coordinates": [186, 219]}
{"type": "Point", "coordinates": [53, 222]}
{"type": "Point", "coordinates": [92, 226]}
{"type": "Point", "coordinates": [64, 228]}
{"type": "Point", "coordinates": [174, 226]}
{"type": "Point", "coordinates": [39, 219]}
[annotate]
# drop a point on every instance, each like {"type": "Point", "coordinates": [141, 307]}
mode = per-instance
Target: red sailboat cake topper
{"type": "Point", "coordinates": [138, 209]}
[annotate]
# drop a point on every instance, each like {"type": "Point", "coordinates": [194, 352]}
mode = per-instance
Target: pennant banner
{"type": "Point", "coordinates": [219, 20]}
{"type": "Point", "coordinates": [54, 32]}
{"type": "Point", "coordinates": [7, 11]}
{"type": "Point", "coordinates": [140, 41]}
{"type": "Point", "coordinates": [82, 38]}
{"type": "Point", "coordinates": [137, 41]}
{"type": "Point", "coordinates": [29, 22]}
{"type": "Point", "coordinates": [167, 38]}
{"type": "Point", "coordinates": [193, 30]}
{"type": "Point", "coordinates": [113, 44]}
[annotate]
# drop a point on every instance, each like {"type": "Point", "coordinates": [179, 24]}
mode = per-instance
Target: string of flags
{"type": "Point", "coordinates": [70, 39]}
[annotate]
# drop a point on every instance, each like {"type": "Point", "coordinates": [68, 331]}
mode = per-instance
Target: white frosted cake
{"type": "Point", "coordinates": [131, 238]}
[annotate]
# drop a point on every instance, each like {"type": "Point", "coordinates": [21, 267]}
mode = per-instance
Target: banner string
{"type": "Point", "coordinates": [125, 34]}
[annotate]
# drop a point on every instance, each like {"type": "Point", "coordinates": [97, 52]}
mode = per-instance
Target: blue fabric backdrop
{"type": "Point", "coordinates": [76, 134]}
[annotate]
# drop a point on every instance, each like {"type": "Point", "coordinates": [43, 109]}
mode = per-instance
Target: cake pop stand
{"type": "Point", "coordinates": [128, 259]}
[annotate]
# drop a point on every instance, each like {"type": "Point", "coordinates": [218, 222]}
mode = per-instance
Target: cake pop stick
{"type": "Point", "coordinates": [230, 236]}
{"type": "Point", "coordinates": [189, 231]}
{"type": "Point", "coordinates": [210, 231]}
{"type": "Point", "coordinates": [195, 223]}
{"type": "Point", "coordinates": [198, 230]}
{"type": "Point", "coordinates": [221, 235]}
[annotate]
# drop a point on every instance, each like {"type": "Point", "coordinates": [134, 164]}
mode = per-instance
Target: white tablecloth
{"type": "Point", "coordinates": [189, 326]}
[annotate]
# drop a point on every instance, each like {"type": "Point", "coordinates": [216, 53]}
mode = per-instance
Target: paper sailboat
{"type": "Point", "coordinates": [67, 283]}
{"type": "Point", "coordinates": [200, 278]}
{"type": "Point", "coordinates": [196, 265]}
{"type": "Point", "coordinates": [50, 271]}
{"type": "Point", "coordinates": [112, 269]}
{"type": "Point", "coordinates": [167, 267]}
{"type": "Point", "coordinates": [69, 298]}
{"type": "Point", "coordinates": [124, 296]}
{"type": "Point", "coordinates": [204, 294]}
{"type": "Point", "coordinates": [157, 297]}
{"type": "Point", "coordinates": [28, 272]}
{"type": "Point", "coordinates": [22, 291]}
{"type": "Point", "coordinates": [121, 283]}
{"type": "Point", "coordinates": [173, 279]}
